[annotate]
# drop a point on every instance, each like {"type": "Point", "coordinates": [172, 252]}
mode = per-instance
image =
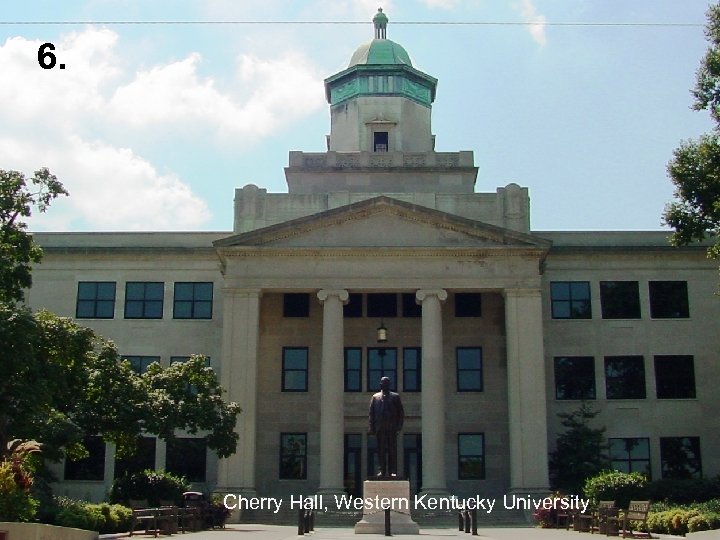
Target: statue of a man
{"type": "Point", "coordinates": [385, 420]}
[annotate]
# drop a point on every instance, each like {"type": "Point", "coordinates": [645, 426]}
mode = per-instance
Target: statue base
{"type": "Point", "coordinates": [382, 494]}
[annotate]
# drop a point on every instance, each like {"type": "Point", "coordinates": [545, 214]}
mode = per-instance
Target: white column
{"type": "Point", "coordinates": [241, 325]}
{"type": "Point", "coordinates": [526, 391]}
{"type": "Point", "coordinates": [332, 414]}
{"type": "Point", "coordinates": [432, 399]}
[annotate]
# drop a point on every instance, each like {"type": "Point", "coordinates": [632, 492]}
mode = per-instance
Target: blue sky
{"type": "Point", "coordinates": [151, 127]}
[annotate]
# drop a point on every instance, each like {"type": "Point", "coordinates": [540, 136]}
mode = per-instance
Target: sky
{"type": "Point", "coordinates": [153, 126]}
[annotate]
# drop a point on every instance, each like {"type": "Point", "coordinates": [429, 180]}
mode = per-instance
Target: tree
{"type": "Point", "coordinates": [17, 249]}
{"type": "Point", "coordinates": [62, 382]}
{"type": "Point", "coordinates": [579, 452]}
{"type": "Point", "coordinates": [695, 167]}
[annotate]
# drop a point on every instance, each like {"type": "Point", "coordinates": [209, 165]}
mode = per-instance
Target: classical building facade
{"type": "Point", "coordinates": [492, 329]}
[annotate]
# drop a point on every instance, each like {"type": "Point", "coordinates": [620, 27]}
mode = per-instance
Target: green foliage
{"type": "Point", "coordinates": [17, 249]}
{"type": "Point", "coordinates": [152, 486]}
{"type": "Point", "coordinates": [579, 452]}
{"type": "Point", "coordinates": [104, 518]}
{"type": "Point", "coordinates": [695, 167]}
{"type": "Point", "coordinates": [62, 382]}
{"type": "Point", "coordinates": [616, 486]}
{"type": "Point", "coordinates": [684, 490]}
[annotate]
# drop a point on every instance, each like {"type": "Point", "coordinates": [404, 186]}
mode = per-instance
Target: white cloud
{"type": "Point", "coordinates": [441, 4]}
{"type": "Point", "coordinates": [82, 122]}
{"type": "Point", "coordinates": [537, 22]}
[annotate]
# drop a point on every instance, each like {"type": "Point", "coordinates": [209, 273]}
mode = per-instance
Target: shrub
{"type": "Point", "coordinates": [16, 503]}
{"type": "Point", "coordinates": [152, 486]}
{"type": "Point", "coordinates": [684, 490]}
{"type": "Point", "coordinates": [704, 522]}
{"type": "Point", "coordinates": [104, 518]}
{"type": "Point", "coordinates": [616, 486]}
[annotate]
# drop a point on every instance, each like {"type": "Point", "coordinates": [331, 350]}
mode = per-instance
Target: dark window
{"type": "Point", "coordinates": [95, 300]}
{"type": "Point", "coordinates": [410, 307]}
{"type": "Point", "coordinates": [382, 362]}
{"type": "Point", "coordinates": [469, 369]}
{"type": "Point", "coordinates": [625, 377]}
{"type": "Point", "coordinates": [468, 305]}
{"type": "Point", "coordinates": [380, 141]}
{"type": "Point", "coordinates": [353, 369]}
{"type": "Point", "coordinates": [143, 459]}
{"type": "Point", "coordinates": [471, 456]}
{"type": "Point", "coordinates": [412, 460]}
{"type": "Point", "coordinates": [620, 299]}
{"type": "Point", "coordinates": [193, 301]}
{"type": "Point", "coordinates": [675, 377]}
{"type": "Point", "coordinates": [382, 305]}
{"type": "Point", "coordinates": [570, 300]}
{"type": "Point", "coordinates": [680, 457]}
{"type": "Point", "coordinates": [574, 377]}
{"type": "Point", "coordinates": [295, 369]}
{"type": "Point", "coordinates": [631, 454]}
{"type": "Point", "coordinates": [296, 305]}
{"type": "Point", "coordinates": [669, 300]}
{"type": "Point", "coordinates": [91, 467]}
{"type": "Point", "coordinates": [293, 456]}
{"type": "Point", "coordinates": [139, 364]}
{"type": "Point", "coordinates": [411, 369]}
{"type": "Point", "coordinates": [144, 300]}
{"type": "Point", "coordinates": [351, 464]}
{"type": "Point", "coordinates": [187, 456]}
{"type": "Point", "coordinates": [353, 308]}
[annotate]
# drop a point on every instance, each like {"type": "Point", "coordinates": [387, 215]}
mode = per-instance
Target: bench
{"type": "Point", "coordinates": [637, 511]}
{"type": "Point", "coordinates": [163, 519]}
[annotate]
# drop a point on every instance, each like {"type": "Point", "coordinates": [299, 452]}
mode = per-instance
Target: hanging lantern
{"type": "Point", "coordinates": [382, 333]}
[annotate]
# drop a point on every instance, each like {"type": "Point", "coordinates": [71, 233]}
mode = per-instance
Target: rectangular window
{"type": "Point", "coordinates": [193, 300]}
{"type": "Point", "coordinates": [675, 377]}
{"type": "Point", "coordinates": [144, 300]}
{"type": "Point", "coordinates": [411, 369]}
{"type": "Point", "coordinates": [139, 364]}
{"type": "Point", "coordinates": [468, 305]}
{"type": "Point", "coordinates": [570, 300]}
{"type": "Point", "coordinates": [620, 299]}
{"type": "Point", "coordinates": [296, 305]}
{"type": "Point", "coordinates": [469, 369]}
{"type": "Point", "coordinates": [471, 456]}
{"type": "Point", "coordinates": [630, 454]}
{"type": "Point", "coordinates": [293, 456]}
{"type": "Point", "coordinates": [680, 457]}
{"type": "Point", "coordinates": [187, 456]}
{"type": "Point", "coordinates": [143, 459]}
{"type": "Point", "coordinates": [574, 377]}
{"type": "Point", "coordinates": [410, 307]}
{"type": "Point", "coordinates": [295, 369]}
{"type": "Point", "coordinates": [91, 467]}
{"type": "Point", "coordinates": [95, 300]}
{"type": "Point", "coordinates": [380, 141]}
{"type": "Point", "coordinates": [382, 305]}
{"type": "Point", "coordinates": [353, 309]}
{"type": "Point", "coordinates": [353, 369]}
{"type": "Point", "coordinates": [669, 300]}
{"type": "Point", "coordinates": [382, 362]}
{"type": "Point", "coordinates": [625, 377]}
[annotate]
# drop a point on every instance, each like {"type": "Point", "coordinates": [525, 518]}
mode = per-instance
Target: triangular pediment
{"type": "Point", "coordinates": [383, 222]}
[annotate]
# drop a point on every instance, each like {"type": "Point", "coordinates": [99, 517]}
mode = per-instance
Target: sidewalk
{"type": "Point", "coordinates": [280, 532]}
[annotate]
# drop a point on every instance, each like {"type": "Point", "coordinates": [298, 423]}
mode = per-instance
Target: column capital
{"type": "Point", "coordinates": [521, 292]}
{"type": "Point", "coordinates": [422, 294]}
{"type": "Point", "coordinates": [324, 294]}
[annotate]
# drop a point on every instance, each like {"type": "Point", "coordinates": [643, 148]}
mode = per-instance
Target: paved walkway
{"type": "Point", "coordinates": [277, 532]}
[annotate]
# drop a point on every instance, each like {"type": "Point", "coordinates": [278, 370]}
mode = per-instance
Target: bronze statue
{"type": "Point", "coordinates": [385, 420]}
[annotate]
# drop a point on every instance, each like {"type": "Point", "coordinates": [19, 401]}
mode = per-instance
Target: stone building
{"type": "Point", "coordinates": [492, 329]}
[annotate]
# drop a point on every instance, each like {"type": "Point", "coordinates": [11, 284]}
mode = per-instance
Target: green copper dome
{"type": "Point", "coordinates": [380, 51]}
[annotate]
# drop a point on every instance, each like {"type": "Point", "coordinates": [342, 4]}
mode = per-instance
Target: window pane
{"type": "Point", "coordinates": [410, 307]}
{"type": "Point", "coordinates": [184, 291]}
{"type": "Point", "coordinates": [574, 377]}
{"type": "Point", "coordinates": [669, 300]}
{"type": "Point", "coordinates": [675, 377]}
{"type": "Point", "coordinates": [134, 290]}
{"type": "Point", "coordinates": [469, 369]}
{"type": "Point", "coordinates": [620, 299]}
{"type": "Point", "coordinates": [296, 305]}
{"type": "Point", "coordinates": [560, 290]}
{"type": "Point", "coordinates": [183, 310]}
{"type": "Point", "coordinates": [570, 300]}
{"type": "Point", "coordinates": [186, 456]}
{"type": "Point", "coordinates": [204, 291]}
{"type": "Point", "coordinates": [625, 377]}
{"type": "Point", "coordinates": [87, 290]}
{"type": "Point", "coordinates": [354, 306]}
{"type": "Point", "coordinates": [382, 362]}
{"type": "Point", "coordinates": [154, 291]}
{"type": "Point", "coordinates": [143, 459]}
{"type": "Point", "coordinates": [91, 467]}
{"type": "Point", "coordinates": [468, 305]}
{"type": "Point", "coordinates": [105, 309]}
{"type": "Point", "coordinates": [382, 305]}
{"type": "Point", "coordinates": [471, 456]}
{"type": "Point", "coordinates": [293, 455]}
{"type": "Point", "coordinates": [153, 309]}
{"type": "Point", "coordinates": [85, 309]}
{"type": "Point", "coordinates": [680, 457]}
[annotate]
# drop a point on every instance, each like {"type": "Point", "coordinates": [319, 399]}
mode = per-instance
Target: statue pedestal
{"type": "Point", "coordinates": [382, 494]}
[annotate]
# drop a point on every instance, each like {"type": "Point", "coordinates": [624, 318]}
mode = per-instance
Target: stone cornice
{"type": "Point", "coordinates": [381, 252]}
